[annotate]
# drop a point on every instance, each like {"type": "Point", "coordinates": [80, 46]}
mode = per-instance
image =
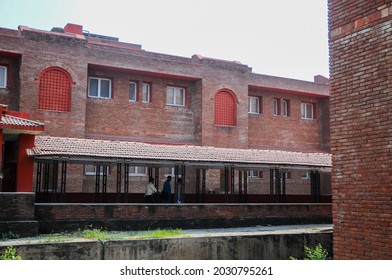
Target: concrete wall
{"type": "Point", "coordinates": [267, 247]}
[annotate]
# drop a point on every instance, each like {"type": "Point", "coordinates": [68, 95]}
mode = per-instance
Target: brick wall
{"type": "Point", "coordinates": [360, 82]}
{"type": "Point", "coordinates": [294, 132]}
{"type": "Point", "coordinates": [119, 118]}
{"type": "Point", "coordinates": [17, 214]}
{"type": "Point", "coordinates": [10, 94]}
{"type": "Point", "coordinates": [40, 52]}
{"type": "Point", "coordinates": [64, 217]}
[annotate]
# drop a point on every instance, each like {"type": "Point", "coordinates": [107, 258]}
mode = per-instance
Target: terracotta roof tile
{"type": "Point", "coordinates": [8, 121]}
{"type": "Point", "coordinates": [73, 147]}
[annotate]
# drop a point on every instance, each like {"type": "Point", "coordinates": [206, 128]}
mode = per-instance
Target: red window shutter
{"type": "Point", "coordinates": [225, 109]}
{"type": "Point", "coordinates": [314, 111]}
{"type": "Point", "coordinates": [55, 90]}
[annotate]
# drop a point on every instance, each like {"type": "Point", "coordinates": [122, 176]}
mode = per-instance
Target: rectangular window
{"type": "Point", "coordinates": [307, 111]}
{"type": "Point", "coordinates": [305, 175]}
{"type": "Point", "coordinates": [175, 96]}
{"type": "Point", "coordinates": [100, 88]}
{"type": "Point", "coordinates": [133, 91]}
{"type": "Point", "coordinates": [255, 174]}
{"type": "Point", "coordinates": [3, 77]}
{"type": "Point", "coordinates": [137, 171]}
{"type": "Point", "coordinates": [276, 106]}
{"type": "Point", "coordinates": [169, 171]}
{"type": "Point", "coordinates": [146, 93]}
{"type": "Point", "coordinates": [286, 107]}
{"type": "Point", "coordinates": [90, 169]}
{"type": "Point", "coordinates": [253, 105]}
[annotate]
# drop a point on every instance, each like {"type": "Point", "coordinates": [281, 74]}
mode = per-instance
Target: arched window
{"type": "Point", "coordinates": [225, 108]}
{"type": "Point", "coordinates": [55, 87]}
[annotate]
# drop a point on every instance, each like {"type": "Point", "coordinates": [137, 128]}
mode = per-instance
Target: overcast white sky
{"type": "Point", "coordinates": [283, 38]}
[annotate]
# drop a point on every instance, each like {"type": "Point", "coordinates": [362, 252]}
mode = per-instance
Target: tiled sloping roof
{"type": "Point", "coordinates": [73, 147]}
{"type": "Point", "coordinates": [12, 122]}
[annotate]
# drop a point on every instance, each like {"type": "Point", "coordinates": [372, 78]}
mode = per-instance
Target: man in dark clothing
{"type": "Point", "coordinates": [166, 192]}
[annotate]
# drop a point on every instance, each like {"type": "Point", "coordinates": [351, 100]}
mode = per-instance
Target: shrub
{"type": "Point", "coordinates": [9, 235]}
{"type": "Point", "coordinates": [10, 254]}
{"type": "Point", "coordinates": [315, 253]}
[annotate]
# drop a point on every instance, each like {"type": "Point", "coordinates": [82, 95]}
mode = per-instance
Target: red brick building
{"type": "Point", "coordinates": [361, 98]}
{"type": "Point", "coordinates": [89, 86]}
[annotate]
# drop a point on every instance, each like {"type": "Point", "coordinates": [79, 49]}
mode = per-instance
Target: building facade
{"type": "Point", "coordinates": [89, 86]}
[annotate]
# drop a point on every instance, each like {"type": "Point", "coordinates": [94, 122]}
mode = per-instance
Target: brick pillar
{"type": "Point", "coordinates": [361, 120]}
{"type": "Point", "coordinates": [25, 166]}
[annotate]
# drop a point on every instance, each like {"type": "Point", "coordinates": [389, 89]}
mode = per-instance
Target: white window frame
{"type": "Point", "coordinates": [99, 95]}
{"type": "Point", "coordinates": [176, 92]}
{"type": "Point", "coordinates": [4, 77]}
{"type": "Point", "coordinates": [90, 173]}
{"type": "Point", "coordinates": [170, 174]}
{"type": "Point", "coordinates": [255, 174]}
{"type": "Point", "coordinates": [276, 104]}
{"type": "Point", "coordinates": [146, 93]}
{"type": "Point", "coordinates": [307, 111]}
{"type": "Point", "coordinates": [285, 107]}
{"type": "Point", "coordinates": [251, 100]}
{"type": "Point", "coordinates": [137, 172]}
{"type": "Point", "coordinates": [135, 91]}
{"type": "Point", "coordinates": [305, 176]}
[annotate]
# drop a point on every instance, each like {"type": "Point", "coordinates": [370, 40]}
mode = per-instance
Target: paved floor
{"type": "Point", "coordinates": [260, 230]}
{"type": "Point", "coordinates": [214, 232]}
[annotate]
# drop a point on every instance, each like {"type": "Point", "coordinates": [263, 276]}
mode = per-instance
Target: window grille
{"type": "Point", "coordinates": [225, 109]}
{"type": "Point", "coordinates": [55, 90]}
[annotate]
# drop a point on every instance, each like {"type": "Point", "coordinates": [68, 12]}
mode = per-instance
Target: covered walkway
{"type": "Point", "coordinates": [55, 155]}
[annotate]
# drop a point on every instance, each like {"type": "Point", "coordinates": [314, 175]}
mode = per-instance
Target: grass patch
{"type": "Point", "coordinates": [94, 234]}
{"type": "Point", "coordinates": [103, 234]}
{"type": "Point", "coordinates": [160, 233]}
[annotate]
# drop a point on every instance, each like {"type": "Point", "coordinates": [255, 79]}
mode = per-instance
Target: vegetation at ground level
{"type": "Point", "coordinates": [314, 253]}
{"type": "Point", "coordinates": [10, 254]}
{"type": "Point", "coordinates": [99, 234]}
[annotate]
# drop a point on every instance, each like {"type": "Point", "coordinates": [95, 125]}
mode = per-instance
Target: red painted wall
{"type": "Point", "coordinates": [24, 180]}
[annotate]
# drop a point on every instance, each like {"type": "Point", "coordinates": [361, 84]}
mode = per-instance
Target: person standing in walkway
{"type": "Point", "coordinates": [166, 191]}
{"type": "Point", "coordinates": [150, 190]}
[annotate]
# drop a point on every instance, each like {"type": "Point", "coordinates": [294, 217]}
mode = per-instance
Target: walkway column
{"type": "Point", "coordinates": [118, 182]}
{"type": "Point", "coordinates": [277, 185]}
{"type": "Point", "coordinates": [315, 186]}
{"type": "Point", "coordinates": [25, 165]}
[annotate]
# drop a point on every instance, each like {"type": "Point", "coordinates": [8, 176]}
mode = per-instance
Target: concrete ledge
{"type": "Point", "coordinates": [262, 247]}
{"type": "Point", "coordinates": [264, 243]}
{"type": "Point", "coordinates": [78, 250]}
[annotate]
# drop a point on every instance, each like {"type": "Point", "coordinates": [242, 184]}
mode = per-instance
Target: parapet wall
{"type": "Point", "coordinates": [68, 217]}
{"type": "Point", "coordinates": [17, 214]}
